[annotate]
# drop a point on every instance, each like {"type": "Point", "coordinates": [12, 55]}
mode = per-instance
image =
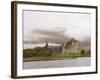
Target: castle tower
{"type": "Point", "coordinates": [46, 45]}
{"type": "Point", "coordinates": [72, 45]}
{"type": "Point", "coordinates": [63, 48]}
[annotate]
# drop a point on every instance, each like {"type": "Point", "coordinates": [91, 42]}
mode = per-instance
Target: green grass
{"type": "Point", "coordinates": [47, 54]}
{"type": "Point", "coordinates": [74, 54]}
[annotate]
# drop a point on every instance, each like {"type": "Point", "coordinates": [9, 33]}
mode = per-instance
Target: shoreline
{"type": "Point", "coordinates": [50, 59]}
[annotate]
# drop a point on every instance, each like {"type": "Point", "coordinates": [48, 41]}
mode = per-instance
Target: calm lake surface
{"type": "Point", "coordinates": [74, 62]}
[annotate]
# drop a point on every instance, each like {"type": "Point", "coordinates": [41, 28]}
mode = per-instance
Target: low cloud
{"type": "Point", "coordinates": [53, 36]}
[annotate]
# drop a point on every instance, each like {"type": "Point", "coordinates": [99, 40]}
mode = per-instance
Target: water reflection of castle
{"type": "Point", "coordinates": [71, 45]}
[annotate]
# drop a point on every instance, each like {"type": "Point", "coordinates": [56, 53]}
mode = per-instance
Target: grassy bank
{"type": "Point", "coordinates": [47, 54]}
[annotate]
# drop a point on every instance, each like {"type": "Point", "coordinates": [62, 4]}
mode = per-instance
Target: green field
{"type": "Point", "coordinates": [41, 53]}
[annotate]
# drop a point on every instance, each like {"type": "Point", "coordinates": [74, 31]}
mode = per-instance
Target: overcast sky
{"type": "Point", "coordinates": [55, 26]}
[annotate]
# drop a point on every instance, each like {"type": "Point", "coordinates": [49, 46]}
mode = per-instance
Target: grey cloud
{"type": "Point", "coordinates": [53, 36]}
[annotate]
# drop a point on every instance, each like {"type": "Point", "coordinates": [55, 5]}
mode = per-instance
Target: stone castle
{"type": "Point", "coordinates": [72, 45]}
